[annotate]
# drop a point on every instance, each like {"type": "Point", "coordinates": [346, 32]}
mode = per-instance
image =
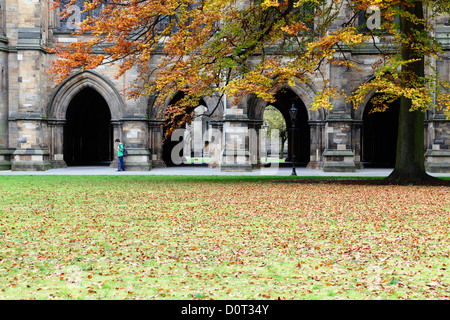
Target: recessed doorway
{"type": "Point", "coordinates": [284, 100]}
{"type": "Point", "coordinates": [88, 131]}
{"type": "Point", "coordinates": [379, 136]}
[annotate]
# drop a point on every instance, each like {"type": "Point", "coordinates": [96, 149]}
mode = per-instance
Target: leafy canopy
{"type": "Point", "coordinates": [214, 47]}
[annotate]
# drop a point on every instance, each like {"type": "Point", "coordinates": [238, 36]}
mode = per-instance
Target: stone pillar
{"type": "Point", "coordinates": [56, 128]}
{"type": "Point", "coordinates": [30, 154]}
{"type": "Point", "coordinates": [135, 138]}
{"type": "Point", "coordinates": [255, 141]}
{"type": "Point", "coordinates": [198, 126]}
{"type": "Point", "coordinates": [356, 142]}
{"type": "Point", "coordinates": [235, 155]}
{"type": "Point", "coordinates": [317, 144]}
{"type": "Point", "coordinates": [338, 155]}
{"type": "Point", "coordinates": [437, 155]}
{"type": "Point", "coordinates": [156, 138]}
{"type": "Point", "coordinates": [117, 134]}
{"type": "Point", "coordinates": [27, 110]}
{"type": "Point", "coordinates": [5, 153]}
{"type": "Point", "coordinates": [215, 139]}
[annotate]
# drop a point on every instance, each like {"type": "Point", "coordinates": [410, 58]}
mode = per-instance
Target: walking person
{"type": "Point", "coordinates": [120, 149]}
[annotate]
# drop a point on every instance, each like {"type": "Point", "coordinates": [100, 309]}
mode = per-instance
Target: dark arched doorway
{"type": "Point", "coordinates": [379, 136]}
{"type": "Point", "coordinates": [183, 148]}
{"type": "Point", "coordinates": [88, 131]}
{"type": "Point", "coordinates": [284, 99]}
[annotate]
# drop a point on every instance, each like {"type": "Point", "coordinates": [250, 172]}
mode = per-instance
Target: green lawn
{"type": "Point", "coordinates": [153, 237]}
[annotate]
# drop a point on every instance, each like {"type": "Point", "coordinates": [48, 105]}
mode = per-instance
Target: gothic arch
{"type": "Point", "coordinates": [157, 112]}
{"type": "Point", "coordinates": [378, 133]}
{"type": "Point", "coordinates": [358, 112]}
{"type": "Point", "coordinates": [74, 84]}
{"type": "Point", "coordinates": [306, 92]}
{"type": "Point", "coordinates": [306, 132]}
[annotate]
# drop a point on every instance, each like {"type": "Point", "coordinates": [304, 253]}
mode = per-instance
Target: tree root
{"type": "Point", "coordinates": [425, 181]}
{"type": "Point", "coordinates": [404, 177]}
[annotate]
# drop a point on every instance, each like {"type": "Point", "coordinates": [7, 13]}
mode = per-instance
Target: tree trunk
{"type": "Point", "coordinates": [409, 165]}
{"type": "Point", "coordinates": [283, 140]}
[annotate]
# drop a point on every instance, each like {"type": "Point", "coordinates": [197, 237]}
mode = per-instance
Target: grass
{"type": "Point", "coordinates": [156, 237]}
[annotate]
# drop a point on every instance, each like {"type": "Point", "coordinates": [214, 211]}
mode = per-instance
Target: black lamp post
{"type": "Point", "coordinates": [266, 130]}
{"type": "Point", "coordinates": [293, 114]}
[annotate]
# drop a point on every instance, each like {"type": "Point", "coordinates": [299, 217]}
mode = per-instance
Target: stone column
{"type": "Point", "coordinates": [437, 144]}
{"type": "Point", "coordinates": [27, 116]}
{"type": "Point", "coordinates": [356, 142]}
{"type": "Point", "coordinates": [317, 144]}
{"type": "Point", "coordinates": [135, 138]}
{"type": "Point", "coordinates": [215, 139]}
{"type": "Point", "coordinates": [437, 155]}
{"type": "Point", "coordinates": [5, 153]}
{"type": "Point", "coordinates": [255, 137]}
{"type": "Point", "coordinates": [117, 134]}
{"type": "Point", "coordinates": [198, 132]}
{"type": "Point", "coordinates": [235, 155]}
{"type": "Point", "coordinates": [156, 137]}
{"type": "Point", "coordinates": [338, 155]}
{"type": "Point", "coordinates": [30, 155]}
{"type": "Point", "coordinates": [56, 128]}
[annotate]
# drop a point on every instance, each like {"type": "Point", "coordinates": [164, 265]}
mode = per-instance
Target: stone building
{"type": "Point", "coordinates": [43, 125]}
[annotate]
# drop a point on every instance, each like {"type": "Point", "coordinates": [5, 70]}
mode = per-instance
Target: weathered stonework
{"type": "Point", "coordinates": [438, 151]}
{"type": "Point", "coordinates": [5, 159]}
{"type": "Point", "coordinates": [43, 125]}
{"type": "Point", "coordinates": [338, 156]}
{"type": "Point", "coordinates": [235, 155]}
{"type": "Point", "coordinates": [31, 160]}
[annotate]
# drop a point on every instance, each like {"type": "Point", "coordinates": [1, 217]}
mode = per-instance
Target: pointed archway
{"type": "Point", "coordinates": [77, 101]}
{"type": "Point", "coordinates": [169, 146]}
{"type": "Point", "coordinates": [284, 100]}
{"type": "Point", "coordinates": [88, 131]}
{"type": "Point", "coordinates": [379, 136]}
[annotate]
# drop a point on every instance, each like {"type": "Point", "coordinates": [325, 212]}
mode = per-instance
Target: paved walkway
{"type": "Point", "coordinates": [205, 171]}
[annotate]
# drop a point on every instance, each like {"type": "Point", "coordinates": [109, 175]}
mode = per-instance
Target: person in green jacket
{"type": "Point", "coordinates": [120, 148]}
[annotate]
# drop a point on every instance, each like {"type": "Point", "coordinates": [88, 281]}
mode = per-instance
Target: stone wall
{"type": "Point", "coordinates": [33, 110]}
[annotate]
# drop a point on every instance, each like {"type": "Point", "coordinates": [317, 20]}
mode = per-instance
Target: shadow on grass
{"type": "Point", "coordinates": [363, 181]}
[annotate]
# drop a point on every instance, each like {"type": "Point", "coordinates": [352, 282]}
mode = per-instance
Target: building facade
{"type": "Point", "coordinates": [43, 125]}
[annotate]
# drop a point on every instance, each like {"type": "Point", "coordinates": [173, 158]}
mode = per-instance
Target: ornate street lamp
{"type": "Point", "coordinates": [293, 114]}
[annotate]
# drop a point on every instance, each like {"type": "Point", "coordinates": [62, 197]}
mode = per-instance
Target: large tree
{"type": "Point", "coordinates": [222, 46]}
{"type": "Point", "coordinates": [402, 76]}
